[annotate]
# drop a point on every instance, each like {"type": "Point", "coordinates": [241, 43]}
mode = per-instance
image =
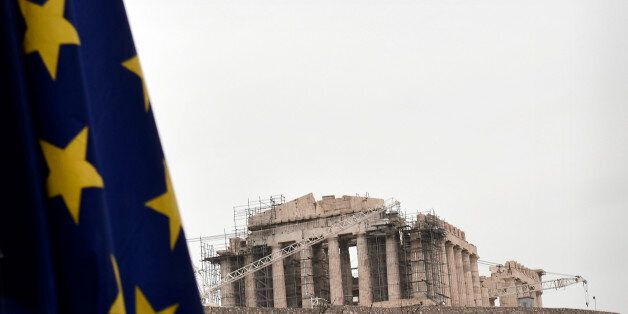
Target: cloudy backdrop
{"type": "Point", "coordinates": [507, 117]}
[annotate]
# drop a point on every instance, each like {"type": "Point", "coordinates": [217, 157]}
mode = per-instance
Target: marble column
{"type": "Point", "coordinates": [445, 274]}
{"type": "Point", "coordinates": [307, 277]}
{"type": "Point", "coordinates": [335, 272]}
{"type": "Point", "coordinates": [475, 277]}
{"type": "Point", "coordinates": [453, 274]}
{"type": "Point", "coordinates": [279, 281]}
{"type": "Point", "coordinates": [364, 271]}
{"type": "Point", "coordinates": [392, 267]}
{"type": "Point", "coordinates": [468, 279]}
{"type": "Point", "coordinates": [226, 291]}
{"type": "Point", "coordinates": [462, 288]}
{"type": "Point", "coordinates": [249, 284]}
{"type": "Point", "coordinates": [347, 277]}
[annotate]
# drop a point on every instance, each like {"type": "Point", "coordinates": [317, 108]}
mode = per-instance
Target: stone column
{"type": "Point", "coordinates": [417, 267]}
{"type": "Point", "coordinates": [226, 291]}
{"type": "Point", "coordinates": [392, 268]}
{"type": "Point", "coordinates": [307, 277]}
{"type": "Point", "coordinates": [335, 272]}
{"type": "Point", "coordinates": [364, 271]}
{"type": "Point", "coordinates": [475, 277]}
{"type": "Point", "coordinates": [279, 281]}
{"type": "Point", "coordinates": [462, 288]}
{"type": "Point", "coordinates": [485, 297]}
{"type": "Point", "coordinates": [347, 277]}
{"type": "Point", "coordinates": [249, 284]}
{"type": "Point", "coordinates": [446, 284]}
{"type": "Point", "coordinates": [453, 274]}
{"type": "Point", "coordinates": [468, 279]}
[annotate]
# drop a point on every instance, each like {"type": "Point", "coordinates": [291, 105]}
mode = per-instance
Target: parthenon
{"type": "Point", "coordinates": [401, 260]}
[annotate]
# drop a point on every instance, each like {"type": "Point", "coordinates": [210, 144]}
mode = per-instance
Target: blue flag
{"type": "Point", "coordinates": [88, 218]}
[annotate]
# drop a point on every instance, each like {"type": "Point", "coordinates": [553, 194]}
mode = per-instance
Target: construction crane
{"type": "Point", "coordinates": [294, 248]}
{"type": "Point", "coordinates": [544, 285]}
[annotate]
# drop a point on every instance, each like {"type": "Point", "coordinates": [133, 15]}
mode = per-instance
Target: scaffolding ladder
{"type": "Point", "coordinates": [304, 244]}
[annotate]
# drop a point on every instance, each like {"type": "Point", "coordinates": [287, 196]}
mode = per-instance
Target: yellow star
{"type": "Point", "coordinates": [46, 31]}
{"type": "Point", "coordinates": [142, 306]}
{"type": "Point", "coordinates": [133, 65]}
{"type": "Point", "coordinates": [70, 172]}
{"type": "Point", "coordinates": [118, 304]}
{"type": "Point", "coordinates": [166, 204]}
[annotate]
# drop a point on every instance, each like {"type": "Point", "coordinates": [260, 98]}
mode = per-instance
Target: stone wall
{"type": "Point", "coordinates": [508, 276]}
{"type": "Point", "coordinates": [307, 208]}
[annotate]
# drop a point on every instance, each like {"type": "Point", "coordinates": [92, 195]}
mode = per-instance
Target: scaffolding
{"type": "Point", "coordinates": [239, 290]}
{"type": "Point", "coordinates": [432, 237]}
{"type": "Point", "coordinates": [292, 279]}
{"type": "Point", "coordinates": [421, 265]}
{"type": "Point", "coordinates": [242, 213]}
{"type": "Point", "coordinates": [320, 271]}
{"type": "Point", "coordinates": [209, 274]}
{"type": "Point", "coordinates": [408, 274]}
{"type": "Point", "coordinates": [377, 261]}
{"type": "Point", "coordinates": [263, 279]}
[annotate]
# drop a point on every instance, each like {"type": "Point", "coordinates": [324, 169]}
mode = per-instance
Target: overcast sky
{"type": "Point", "coordinates": [507, 117]}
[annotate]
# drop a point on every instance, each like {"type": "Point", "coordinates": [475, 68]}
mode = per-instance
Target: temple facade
{"type": "Point", "coordinates": [397, 260]}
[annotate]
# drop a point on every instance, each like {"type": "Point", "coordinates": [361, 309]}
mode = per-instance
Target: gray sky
{"type": "Point", "coordinates": [507, 117]}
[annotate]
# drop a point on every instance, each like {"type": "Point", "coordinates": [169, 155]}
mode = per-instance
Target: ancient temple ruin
{"type": "Point", "coordinates": [513, 274]}
{"type": "Point", "coordinates": [401, 259]}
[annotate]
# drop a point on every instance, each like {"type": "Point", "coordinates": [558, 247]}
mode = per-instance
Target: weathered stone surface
{"type": "Point", "coordinates": [335, 271]}
{"type": "Point", "coordinates": [306, 207]}
{"type": "Point", "coordinates": [509, 275]}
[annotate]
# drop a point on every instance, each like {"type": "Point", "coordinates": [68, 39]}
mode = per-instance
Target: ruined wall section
{"type": "Point", "coordinates": [456, 236]}
{"type": "Point", "coordinates": [306, 208]}
{"type": "Point", "coordinates": [308, 229]}
{"type": "Point", "coordinates": [512, 274]}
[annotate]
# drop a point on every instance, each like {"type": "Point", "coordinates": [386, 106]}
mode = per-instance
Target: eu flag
{"type": "Point", "coordinates": [88, 218]}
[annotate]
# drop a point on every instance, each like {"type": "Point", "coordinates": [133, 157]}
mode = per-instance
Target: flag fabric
{"type": "Point", "coordinates": [88, 218]}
